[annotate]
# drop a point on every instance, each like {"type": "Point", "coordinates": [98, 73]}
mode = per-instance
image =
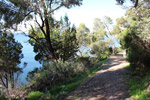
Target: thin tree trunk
{"type": "Point", "coordinates": [114, 49]}
{"type": "Point", "coordinates": [50, 47]}
{"type": "Point", "coordinates": [47, 36]}
{"type": "Point", "coordinates": [80, 52]}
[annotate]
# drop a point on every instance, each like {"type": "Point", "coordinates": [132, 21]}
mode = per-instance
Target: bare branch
{"type": "Point", "coordinates": [55, 9]}
{"type": "Point", "coordinates": [2, 81]}
{"type": "Point", "coordinates": [32, 36]}
{"type": "Point", "coordinates": [50, 4]}
{"type": "Point", "coordinates": [41, 27]}
{"type": "Point", "coordinates": [107, 29]}
{"type": "Point", "coordinates": [28, 13]}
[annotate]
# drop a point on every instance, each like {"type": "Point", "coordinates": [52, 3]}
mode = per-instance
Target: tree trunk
{"type": "Point", "coordinates": [80, 52]}
{"type": "Point", "coordinates": [47, 35]}
{"type": "Point", "coordinates": [49, 44]}
{"type": "Point", "coordinates": [114, 49]}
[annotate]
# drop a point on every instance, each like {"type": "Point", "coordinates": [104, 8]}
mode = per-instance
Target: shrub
{"type": "Point", "coordinates": [138, 51]}
{"type": "Point", "coordinates": [47, 97]}
{"type": "Point", "coordinates": [2, 97]}
{"type": "Point", "coordinates": [34, 95]}
{"type": "Point", "coordinates": [51, 74]}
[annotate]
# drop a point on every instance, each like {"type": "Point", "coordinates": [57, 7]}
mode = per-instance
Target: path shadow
{"type": "Point", "coordinates": [107, 84]}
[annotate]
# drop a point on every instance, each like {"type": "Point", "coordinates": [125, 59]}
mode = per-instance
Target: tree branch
{"type": "Point", "coordinates": [3, 81]}
{"type": "Point", "coordinates": [28, 13]}
{"type": "Point", "coordinates": [41, 27]}
{"type": "Point", "coordinates": [50, 4]}
{"type": "Point", "coordinates": [136, 3]}
{"type": "Point", "coordinates": [32, 36]}
{"type": "Point", "coordinates": [55, 9]}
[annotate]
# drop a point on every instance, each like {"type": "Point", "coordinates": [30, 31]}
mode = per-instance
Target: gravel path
{"type": "Point", "coordinates": [106, 84]}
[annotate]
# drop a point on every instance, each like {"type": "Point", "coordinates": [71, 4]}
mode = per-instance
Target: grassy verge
{"type": "Point", "coordinates": [139, 87]}
{"type": "Point", "coordinates": [71, 83]}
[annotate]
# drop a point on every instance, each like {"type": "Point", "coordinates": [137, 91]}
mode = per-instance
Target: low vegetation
{"type": "Point", "coordinates": [34, 95]}
{"type": "Point", "coordinates": [63, 83]}
{"type": "Point", "coordinates": [139, 86]}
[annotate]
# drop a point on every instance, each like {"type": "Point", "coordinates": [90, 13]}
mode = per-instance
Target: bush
{"type": "Point", "coordinates": [47, 97]}
{"type": "Point", "coordinates": [137, 51]}
{"type": "Point", "coordinates": [60, 82]}
{"type": "Point", "coordinates": [51, 73]}
{"type": "Point", "coordinates": [2, 97]}
{"type": "Point", "coordinates": [34, 95]}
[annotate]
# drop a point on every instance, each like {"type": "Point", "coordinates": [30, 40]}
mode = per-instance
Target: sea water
{"type": "Point", "coordinates": [29, 56]}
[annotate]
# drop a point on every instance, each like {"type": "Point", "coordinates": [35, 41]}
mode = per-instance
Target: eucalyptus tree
{"type": "Point", "coordinates": [41, 11]}
{"type": "Point", "coordinates": [104, 31]}
{"type": "Point", "coordinates": [111, 35]}
{"type": "Point", "coordinates": [81, 35]}
{"type": "Point", "coordinates": [99, 31]}
{"type": "Point", "coordinates": [98, 45]}
{"type": "Point", "coordinates": [63, 39]}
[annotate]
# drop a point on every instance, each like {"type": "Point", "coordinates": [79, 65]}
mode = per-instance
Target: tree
{"type": "Point", "coordinates": [63, 39]}
{"type": "Point", "coordinates": [103, 31]}
{"type": "Point", "coordinates": [135, 2]}
{"type": "Point", "coordinates": [110, 34]}
{"type": "Point", "coordinates": [10, 57]}
{"type": "Point", "coordinates": [11, 9]}
{"type": "Point", "coordinates": [121, 23]}
{"type": "Point", "coordinates": [82, 32]}
{"type": "Point", "coordinates": [100, 49]}
{"type": "Point", "coordinates": [39, 10]}
{"type": "Point", "coordinates": [96, 40]}
{"type": "Point", "coordinates": [135, 37]}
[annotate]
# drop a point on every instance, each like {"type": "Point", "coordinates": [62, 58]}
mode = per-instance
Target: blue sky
{"type": "Point", "coordinates": [91, 9]}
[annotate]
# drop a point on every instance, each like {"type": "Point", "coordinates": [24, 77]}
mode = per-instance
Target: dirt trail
{"type": "Point", "coordinates": [106, 84]}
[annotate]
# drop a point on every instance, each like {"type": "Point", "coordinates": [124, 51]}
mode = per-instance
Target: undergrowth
{"type": "Point", "coordinates": [139, 86]}
{"type": "Point", "coordinates": [71, 83]}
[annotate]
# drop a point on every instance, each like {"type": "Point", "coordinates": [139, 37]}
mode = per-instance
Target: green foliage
{"type": "Point", "coordinates": [65, 89]}
{"type": "Point", "coordinates": [82, 38]}
{"type": "Point", "coordinates": [103, 37]}
{"type": "Point", "coordinates": [10, 57]}
{"type": "Point", "coordinates": [100, 50]}
{"type": "Point", "coordinates": [11, 52]}
{"type": "Point", "coordinates": [134, 3]}
{"type": "Point", "coordinates": [12, 12]}
{"type": "Point", "coordinates": [108, 20]}
{"type": "Point", "coordinates": [81, 34]}
{"type": "Point", "coordinates": [63, 38]}
{"type": "Point", "coordinates": [44, 10]}
{"type": "Point", "coordinates": [119, 49]}
{"type": "Point", "coordinates": [98, 46]}
{"type": "Point", "coordinates": [2, 97]}
{"type": "Point", "coordinates": [139, 87]}
{"type": "Point", "coordinates": [47, 97]}
{"type": "Point", "coordinates": [135, 40]}
{"type": "Point", "coordinates": [99, 29]}
{"type": "Point", "coordinates": [52, 73]}
{"type": "Point", "coordinates": [11, 9]}
{"type": "Point", "coordinates": [71, 83]}
{"type": "Point", "coordinates": [31, 74]}
{"type": "Point", "coordinates": [35, 95]}
{"type": "Point", "coordinates": [62, 78]}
